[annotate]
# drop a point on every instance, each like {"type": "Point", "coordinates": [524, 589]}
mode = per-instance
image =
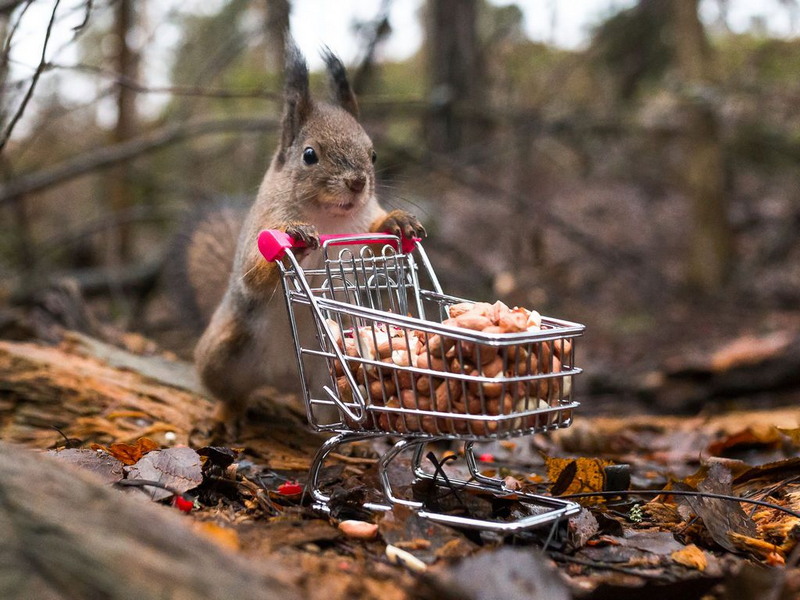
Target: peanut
{"type": "Point", "coordinates": [411, 401]}
{"type": "Point", "coordinates": [429, 361]}
{"type": "Point", "coordinates": [438, 344]}
{"type": "Point", "coordinates": [379, 387]}
{"type": "Point", "coordinates": [447, 392]}
{"type": "Point", "coordinates": [513, 320]}
{"type": "Point", "coordinates": [534, 321]}
{"type": "Point", "coordinates": [404, 379]}
{"type": "Point", "coordinates": [483, 354]}
{"type": "Point", "coordinates": [336, 331]}
{"type": "Point", "coordinates": [562, 349]}
{"type": "Point", "coordinates": [498, 308]}
{"type": "Point", "coordinates": [493, 368]}
{"type": "Point", "coordinates": [473, 321]}
{"type": "Point", "coordinates": [426, 383]}
{"type": "Point", "coordinates": [455, 310]}
{"type": "Point", "coordinates": [360, 530]}
{"type": "Point", "coordinates": [483, 427]}
{"type": "Point", "coordinates": [401, 358]}
{"type": "Point", "coordinates": [428, 424]}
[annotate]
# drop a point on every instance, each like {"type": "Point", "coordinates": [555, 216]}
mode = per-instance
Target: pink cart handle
{"type": "Point", "coordinates": [272, 243]}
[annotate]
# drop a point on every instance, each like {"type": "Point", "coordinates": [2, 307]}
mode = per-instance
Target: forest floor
{"type": "Point", "coordinates": [701, 505]}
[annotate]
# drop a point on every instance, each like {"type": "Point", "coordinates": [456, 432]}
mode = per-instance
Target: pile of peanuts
{"type": "Point", "coordinates": [484, 392]}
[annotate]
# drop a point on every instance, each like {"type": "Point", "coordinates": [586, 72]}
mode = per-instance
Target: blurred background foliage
{"type": "Point", "coordinates": [644, 183]}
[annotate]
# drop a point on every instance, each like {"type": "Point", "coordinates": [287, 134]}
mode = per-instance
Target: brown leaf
{"type": "Point", "coordinates": [589, 475]}
{"type": "Point", "coordinates": [129, 454]}
{"type": "Point", "coordinates": [581, 528]}
{"type": "Point", "coordinates": [177, 468]}
{"type": "Point", "coordinates": [766, 435]}
{"type": "Point", "coordinates": [793, 434]}
{"type": "Point", "coordinates": [565, 479]}
{"type": "Point", "coordinates": [108, 468]}
{"type": "Point", "coordinates": [749, 350]}
{"type": "Point", "coordinates": [721, 517]}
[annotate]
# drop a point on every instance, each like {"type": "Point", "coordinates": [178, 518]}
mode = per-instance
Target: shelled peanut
{"type": "Point", "coordinates": [473, 375]}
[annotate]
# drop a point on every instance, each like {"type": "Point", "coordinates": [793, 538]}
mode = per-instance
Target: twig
{"type": "Point", "coordinates": [116, 153]}
{"type": "Point", "coordinates": [353, 460]}
{"type": "Point", "coordinates": [39, 69]}
{"type": "Point", "coordinates": [175, 90]}
{"type": "Point", "coordinates": [14, 28]}
{"type": "Point", "coordinates": [693, 493]}
{"type": "Point", "coordinates": [78, 29]}
{"type": "Point", "coordinates": [603, 565]}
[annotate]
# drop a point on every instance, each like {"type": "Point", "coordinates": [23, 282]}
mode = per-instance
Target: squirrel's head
{"type": "Point", "coordinates": [323, 149]}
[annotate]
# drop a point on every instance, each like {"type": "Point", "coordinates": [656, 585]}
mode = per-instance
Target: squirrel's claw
{"type": "Point", "coordinates": [402, 224]}
{"type": "Point", "coordinates": [305, 233]}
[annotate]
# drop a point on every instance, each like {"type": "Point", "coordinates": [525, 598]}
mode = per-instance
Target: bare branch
{"type": "Point", "coordinates": [116, 153]}
{"type": "Point", "coordinates": [177, 90]}
{"type": "Point", "coordinates": [7, 6]}
{"type": "Point", "coordinates": [78, 29]}
{"type": "Point", "coordinates": [13, 31]}
{"type": "Point", "coordinates": [34, 81]}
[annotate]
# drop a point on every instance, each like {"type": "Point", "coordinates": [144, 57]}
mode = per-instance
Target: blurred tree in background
{"type": "Point", "coordinates": [644, 184]}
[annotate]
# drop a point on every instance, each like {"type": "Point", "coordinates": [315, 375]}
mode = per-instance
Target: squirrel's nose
{"type": "Point", "coordinates": [356, 184]}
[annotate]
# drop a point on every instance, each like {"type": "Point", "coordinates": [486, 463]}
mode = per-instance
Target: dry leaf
{"type": "Point", "coordinates": [108, 468]}
{"type": "Point", "coordinates": [129, 454]}
{"type": "Point", "coordinates": [722, 518]}
{"type": "Point", "coordinates": [179, 469]}
{"type": "Point", "coordinates": [577, 475]}
{"type": "Point", "coordinates": [757, 547]}
{"type": "Point", "coordinates": [793, 434]}
{"type": "Point", "coordinates": [765, 435]}
{"type": "Point", "coordinates": [691, 556]}
{"type": "Point", "coordinates": [750, 350]}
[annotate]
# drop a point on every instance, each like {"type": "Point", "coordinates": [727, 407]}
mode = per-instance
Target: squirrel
{"type": "Point", "coordinates": [321, 180]}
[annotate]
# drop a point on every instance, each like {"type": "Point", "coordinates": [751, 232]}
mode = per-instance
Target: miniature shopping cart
{"type": "Point", "coordinates": [383, 358]}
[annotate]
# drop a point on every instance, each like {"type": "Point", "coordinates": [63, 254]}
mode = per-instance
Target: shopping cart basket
{"type": "Point", "coordinates": [384, 359]}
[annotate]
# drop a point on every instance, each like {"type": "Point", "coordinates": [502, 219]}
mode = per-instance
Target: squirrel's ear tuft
{"type": "Point", "coordinates": [297, 98]}
{"type": "Point", "coordinates": [343, 94]}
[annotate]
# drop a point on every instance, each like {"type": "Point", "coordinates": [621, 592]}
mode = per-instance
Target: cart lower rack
{"type": "Point", "coordinates": [389, 354]}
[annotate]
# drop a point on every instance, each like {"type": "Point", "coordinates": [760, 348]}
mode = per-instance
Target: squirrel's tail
{"type": "Point", "coordinates": [200, 262]}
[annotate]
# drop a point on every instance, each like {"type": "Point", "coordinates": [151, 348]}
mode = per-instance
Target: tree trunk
{"type": "Point", "coordinates": [22, 243]}
{"type": "Point", "coordinates": [276, 27]}
{"type": "Point", "coordinates": [457, 85]}
{"type": "Point", "coordinates": [122, 196]}
{"type": "Point", "coordinates": [66, 534]}
{"type": "Point", "coordinates": [710, 249]}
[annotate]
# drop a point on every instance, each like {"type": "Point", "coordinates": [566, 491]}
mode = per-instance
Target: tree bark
{"type": "Point", "coordinates": [122, 196]}
{"type": "Point", "coordinates": [710, 246]}
{"type": "Point", "coordinates": [65, 534]}
{"type": "Point", "coordinates": [276, 26]}
{"type": "Point", "coordinates": [457, 85]}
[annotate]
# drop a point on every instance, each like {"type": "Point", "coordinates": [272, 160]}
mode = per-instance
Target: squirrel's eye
{"type": "Point", "coordinates": [310, 156]}
{"type": "Point", "coordinates": [374, 157]}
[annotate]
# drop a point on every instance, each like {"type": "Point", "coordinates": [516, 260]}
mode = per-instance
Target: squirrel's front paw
{"type": "Point", "coordinates": [305, 233]}
{"type": "Point", "coordinates": [401, 223]}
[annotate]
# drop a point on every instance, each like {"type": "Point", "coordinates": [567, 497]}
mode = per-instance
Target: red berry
{"type": "Point", "coordinates": [182, 504]}
{"type": "Point", "coordinates": [486, 457]}
{"type": "Point", "coordinates": [290, 488]}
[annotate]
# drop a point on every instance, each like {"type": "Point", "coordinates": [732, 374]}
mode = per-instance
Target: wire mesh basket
{"type": "Point", "coordinates": [384, 358]}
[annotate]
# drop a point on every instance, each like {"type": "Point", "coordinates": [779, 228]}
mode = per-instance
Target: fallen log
{"type": "Point", "coordinates": [741, 367]}
{"type": "Point", "coordinates": [91, 390]}
{"type": "Point", "coordinates": [64, 534]}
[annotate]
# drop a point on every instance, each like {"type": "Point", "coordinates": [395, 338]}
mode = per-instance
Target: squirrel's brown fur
{"type": "Point", "coordinates": [321, 180]}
